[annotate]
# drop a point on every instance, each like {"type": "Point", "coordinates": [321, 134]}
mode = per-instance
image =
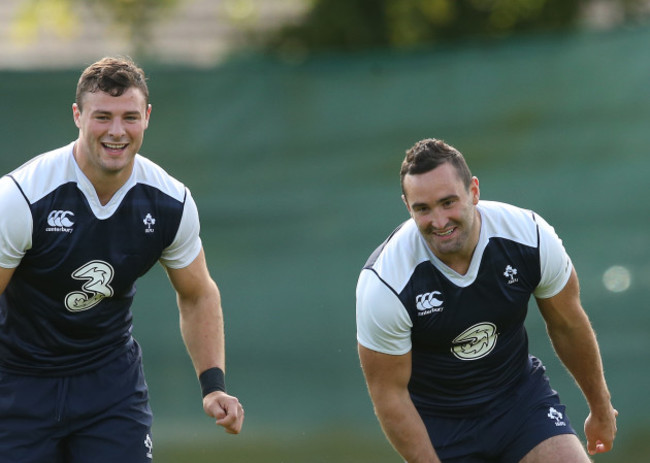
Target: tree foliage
{"type": "Point", "coordinates": [357, 24]}
{"type": "Point", "coordinates": [130, 18]}
{"type": "Point", "coordinates": [328, 24]}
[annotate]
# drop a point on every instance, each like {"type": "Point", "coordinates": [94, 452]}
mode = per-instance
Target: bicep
{"type": "Point", "coordinates": [194, 281]}
{"type": "Point", "coordinates": [5, 277]}
{"type": "Point", "coordinates": [385, 373]}
{"type": "Point", "coordinates": [564, 309]}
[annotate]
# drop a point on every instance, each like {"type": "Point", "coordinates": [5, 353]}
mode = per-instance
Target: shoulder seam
{"type": "Point", "coordinates": [392, 290]}
{"type": "Point", "coordinates": [19, 188]}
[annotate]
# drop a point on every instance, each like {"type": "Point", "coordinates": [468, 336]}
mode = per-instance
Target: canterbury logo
{"type": "Point", "coordinates": [60, 219]}
{"type": "Point", "coordinates": [429, 302]}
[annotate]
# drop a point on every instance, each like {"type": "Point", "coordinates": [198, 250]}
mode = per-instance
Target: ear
{"type": "Point", "coordinates": [146, 116]}
{"type": "Point", "coordinates": [475, 191]}
{"type": "Point", "coordinates": [76, 115]}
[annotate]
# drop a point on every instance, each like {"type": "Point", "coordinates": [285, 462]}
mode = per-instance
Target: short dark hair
{"type": "Point", "coordinates": [430, 153]}
{"type": "Point", "coordinates": [113, 76]}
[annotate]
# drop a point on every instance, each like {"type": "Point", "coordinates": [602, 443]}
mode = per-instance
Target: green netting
{"type": "Point", "coordinates": [294, 169]}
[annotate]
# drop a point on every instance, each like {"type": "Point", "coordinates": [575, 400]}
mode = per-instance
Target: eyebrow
{"type": "Point", "coordinates": [440, 201]}
{"type": "Point", "coordinates": [103, 111]}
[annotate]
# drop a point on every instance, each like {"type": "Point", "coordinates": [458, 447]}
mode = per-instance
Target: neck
{"type": "Point", "coordinates": [106, 183]}
{"type": "Point", "coordinates": [459, 264]}
{"type": "Point", "coordinates": [460, 261]}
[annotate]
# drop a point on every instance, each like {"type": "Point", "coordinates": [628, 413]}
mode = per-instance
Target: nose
{"type": "Point", "coordinates": [116, 130]}
{"type": "Point", "coordinates": [438, 219]}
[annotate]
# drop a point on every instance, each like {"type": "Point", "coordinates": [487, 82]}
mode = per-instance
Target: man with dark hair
{"type": "Point", "coordinates": [79, 225]}
{"type": "Point", "coordinates": [441, 306]}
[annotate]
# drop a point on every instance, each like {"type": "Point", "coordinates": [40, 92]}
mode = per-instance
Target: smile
{"type": "Point", "coordinates": [447, 233]}
{"type": "Point", "coordinates": [115, 146]}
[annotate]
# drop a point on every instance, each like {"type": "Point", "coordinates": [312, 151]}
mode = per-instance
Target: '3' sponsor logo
{"type": "Point", "coordinates": [97, 276]}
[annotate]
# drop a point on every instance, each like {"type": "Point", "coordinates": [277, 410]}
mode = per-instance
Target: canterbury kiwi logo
{"type": "Point", "coordinates": [475, 342]}
{"type": "Point", "coordinates": [428, 301]}
{"type": "Point", "coordinates": [60, 219]}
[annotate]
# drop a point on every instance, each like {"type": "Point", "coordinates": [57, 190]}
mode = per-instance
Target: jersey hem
{"type": "Point", "coordinates": [67, 370]}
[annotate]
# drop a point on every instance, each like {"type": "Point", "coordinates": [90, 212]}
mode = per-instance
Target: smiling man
{"type": "Point", "coordinates": [111, 131]}
{"type": "Point", "coordinates": [441, 306]}
{"type": "Point", "coordinates": [79, 226]}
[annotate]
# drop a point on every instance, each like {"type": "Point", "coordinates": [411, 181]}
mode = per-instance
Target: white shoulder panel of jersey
{"type": "Point", "coordinates": [554, 260]}
{"type": "Point", "coordinates": [149, 173]}
{"type": "Point", "coordinates": [522, 226]}
{"type": "Point", "coordinates": [187, 243]}
{"type": "Point", "coordinates": [404, 251]}
{"type": "Point", "coordinates": [383, 325]}
{"type": "Point", "coordinates": [506, 221]}
{"type": "Point", "coordinates": [45, 173]}
{"type": "Point", "coordinates": [15, 224]}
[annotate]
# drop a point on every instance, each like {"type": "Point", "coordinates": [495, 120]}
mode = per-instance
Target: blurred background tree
{"type": "Point", "coordinates": [298, 27]}
{"type": "Point", "coordinates": [359, 24]}
{"type": "Point", "coordinates": [132, 18]}
{"type": "Point", "coordinates": [136, 17]}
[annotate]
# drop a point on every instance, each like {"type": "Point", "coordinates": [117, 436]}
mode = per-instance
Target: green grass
{"type": "Point", "coordinates": [290, 448]}
{"type": "Point", "coordinates": [325, 447]}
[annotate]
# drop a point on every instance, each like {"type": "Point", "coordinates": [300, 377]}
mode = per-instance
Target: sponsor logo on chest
{"type": "Point", "coordinates": [60, 221]}
{"type": "Point", "coordinates": [475, 342]}
{"type": "Point", "coordinates": [428, 303]}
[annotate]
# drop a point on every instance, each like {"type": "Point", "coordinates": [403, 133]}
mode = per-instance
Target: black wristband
{"type": "Point", "coordinates": [212, 379]}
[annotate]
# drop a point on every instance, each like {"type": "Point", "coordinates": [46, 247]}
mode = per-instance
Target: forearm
{"type": "Point", "coordinates": [577, 348]}
{"type": "Point", "coordinates": [201, 324]}
{"type": "Point", "coordinates": [387, 377]}
{"type": "Point", "coordinates": [405, 430]}
{"type": "Point", "coordinates": [575, 344]}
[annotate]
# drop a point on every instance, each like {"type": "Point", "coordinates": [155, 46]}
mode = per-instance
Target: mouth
{"type": "Point", "coordinates": [115, 146]}
{"type": "Point", "coordinates": [445, 233]}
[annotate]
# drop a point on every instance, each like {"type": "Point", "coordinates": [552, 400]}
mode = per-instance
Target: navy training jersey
{"type": "Point", "coordinates": [465, 332]}
{"type": "Point", "coordinates": [67, 307]}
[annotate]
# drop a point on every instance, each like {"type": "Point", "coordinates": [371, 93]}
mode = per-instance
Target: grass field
{"type": "Point", "coordinates": [290, 447]}
{"type": "Point", "coordinates": [327, 447]}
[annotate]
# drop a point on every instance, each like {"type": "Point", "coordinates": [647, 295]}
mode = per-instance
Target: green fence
{"type": "Point", "coordinates": [295, 171]}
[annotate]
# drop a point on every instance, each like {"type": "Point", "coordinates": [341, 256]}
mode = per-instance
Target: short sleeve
{"type": "Point", "coordinates": [15, 224]}
{"type": "Point", "coordinates": [187, 243]}
{"type": "Point", "coordinates": [555, 263]}
{"type": "Point", "coordinates": [383, 324]}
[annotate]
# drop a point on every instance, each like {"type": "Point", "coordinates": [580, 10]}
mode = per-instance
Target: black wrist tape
{"type": "Point", "coordinates": [212, 379]}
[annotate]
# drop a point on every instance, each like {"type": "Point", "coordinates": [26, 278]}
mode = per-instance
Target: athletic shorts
{"type": "Point", "coordinates": [506, 434]}
{"type": "Point", "coordinates": [101, 416]}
